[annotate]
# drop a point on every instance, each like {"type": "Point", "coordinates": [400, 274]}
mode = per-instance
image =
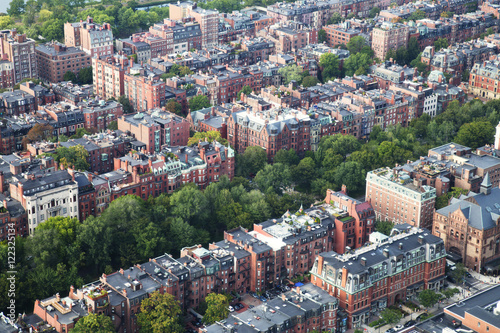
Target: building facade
{"type": "Point", "coordinates": [55, 59]}
{"type": "Point", "coordinates": [20, 51]}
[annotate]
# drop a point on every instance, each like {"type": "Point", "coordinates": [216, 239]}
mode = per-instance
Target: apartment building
{"type": "Point", "coordinates": [156, 128]}
{"type": "Point", "coordinates": [72, 93]}
{"type": "Point", "coordinates": [397, 198]}
{"type": "Point", "coordinates": [207, 19]}
{"type": "Point", "coordinates": [377, 276]}
{"type": "Point", "coordinates": [108, 75]}
{"type": "Point", "coordinates": [305, 308]}
{"type": "Point", "coordinates": [45, 195]}
{"type": "Point", "coordinates": [20, 51]}
{"type": "Point", "coordinates": [94, 39]}
{"type": "Point", "coordinates": [469, 226]}
{"type": "Point", "coordinates": [143, 87]}
{"type": "Point", "coordinates": [55, 59]}
{"type": "Point", "coordinates": [64, 118]}
{"type": "Point", "coordinates": [484, 79]}
{"type": "Point", "coordinates": [13, 217]}
{"type": "Point", "coordinates": [134, 45]}
{"type": "Point", "coordinates": [6, 74]}
{"type": "Point", "coordinates": [388, 73]}
{"type": "Point", "coordinates": [276, 129]}
{"type": "Point", "coordinates": [389, 36]}
{"type": "Point", "coordinates": [98, 114]}
{"type": "Point", "coordinates": [340, 34]}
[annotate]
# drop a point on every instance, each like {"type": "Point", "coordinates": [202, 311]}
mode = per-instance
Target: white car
{"type": "Point", "coordinates": [398, 328]}
{"type": "Point", "coordinates": [230, 308]}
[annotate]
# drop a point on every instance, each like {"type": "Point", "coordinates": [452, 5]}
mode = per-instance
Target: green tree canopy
{"type": "Point", "coordinates": [125, 102]}
{"type": "Point", "coordinates": [275, 176]}
{"type": "Point", "coordinates": [287, 157]}
{"type": "Point", "coordinates": [357, 63]}
{"type": "Point", "coordinates": [174, 106]}
{"type": "Point", "coordinates": [160, 313]}
{"type": "Point", "coordinates": [390, 316]}
{"type": "Point", "coordinates": [209, 135]}
{"type": "Point", "coordinates": [98, 323]}
{"type": "Point", "coordinates": [217, 308]}
{"type": "Point", "coordinates": [73, 156]}
{"type": "Point", "coordinates": [428, 298]}
{"type": "Point", "coordinates": [374, 12]}
{"type": "Point", "coordinates": [247, 90]}
{"type": "Point", "coordinates": [69, 76]}
{"type": "Point", "coordinates": [356, 44]}
{"type": "Point", "coordinates": [475, 134]}
{"type": "Point", "coordinates": [335, 18]}
{"type": "Point", "coordinates": [441, 43]}
{"type": "Point", "coordinates": [321, 36]}
{"type": "Point", "coordinates": [384, 227]}
{"type": "Point", "coordinates": [199, 102]}
{"type": "Point", "coordinates": [85, 75]}
{"type": "Point", "coordinates": [251, 161]}
{"type": "Point", "coordinates": [330, 66]}
{"type": "Point", "coordinates": [291, 73]}
{"type": "Point", "coordinates": [113, 125]}
{"type": "Point", "coordinates": [309, 81]}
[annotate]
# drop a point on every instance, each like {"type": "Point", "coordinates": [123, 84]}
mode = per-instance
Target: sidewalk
{"type": "Point", "coordinates": [384, 328]}
{"type": "Point", "coordinates": [485, 279]}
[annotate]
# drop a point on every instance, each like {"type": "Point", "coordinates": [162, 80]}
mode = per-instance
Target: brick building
{"type": "Point", "coordinates": [55, 59]}
{"type": "Point", "coordinates": [382, 274]}
{"type": "Point", "coordinates": [396, 197]}
{"type": "Point", "coordinates": [207, 19]}
{"type": "Point", "coordinates": [156, 128]}
{"type": "Point", "coordinates": [484, 79]}
{"type": "Point", "coordinates": [469, 226]}
{"type": "Point", "coordinates": [340, 34]}
{"type": "Point", "coordinates": [143, 87]}
{"type": "Point", "coordinates": [20, 51]}
{"type": "Point", "coordinates": [108, 75]}
{"type": "Point", "coordinates": [389, 36]}
{"type": "Point", "coordinates": [94, 39]}
{"type": "Point", "coordinates": [6, 74]}
{"type": "Point", "coordinates": [98, 114]}
{"type": "Point", "coordinates": [275, 130]}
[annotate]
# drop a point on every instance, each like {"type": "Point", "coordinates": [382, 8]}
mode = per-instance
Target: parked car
{"type": "Point", "coordinates": [236, 307]}
{"type": "Point", "coordinates": [469, 275]}
{"type": "Point", "coordinates": [231, 309]}
{"type": "Point", "coordinates": [398, 327]}
{"type": "Point", "coordinates": [390, 330]}
{"type": "Point", "coordinates": [251, 306]}
{"type": "Point", "coordinates": [410, 323]}
{"type": "Point", "coordinates": [263, 299]}
{"type": "Point", "coordinates": [254, 294]}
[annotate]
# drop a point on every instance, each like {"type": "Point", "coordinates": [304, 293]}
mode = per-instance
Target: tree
{"type": "Point", "coordinates": [391, 54]}
{"type": "Point", "coordinates": [113, 125]}
{"type": "Point", "coordinates": [390, 316]}
{"type": "Point", "coordinates": [304, 173]}
{"type": "Point", "coordinates": [174, 106]}
{"type": "Point", "coordinates": [6, 22]}
{"type": "Point", "coordinates": [190, 204]}
{"type": "Point", "coordinates": [413, 49]}
{"type": "Point", "coordinates": [16, 8]}
{"type": "Point", "coordinates": [160, 313]}
{"type": "Point", "coordinates": [384, 227]}
{"type": "Point", "coordinates": [335, 18]}
{"type": "Point", "coordinates": [39, 132]}
{"type": "Point", "coordinates": [330, 66]}
{"type": "Point", "coordinates": [417, 15]}
{"type": "Point", "coordinates": [275, 176]}
{"type": "Point", "coordinates": [291, 73]}
{"type": "Point", "coordinates": [374, 12]}
{"type": "Point", "coordinates": [69, 76]}
{"type": "Point", "coordinates": [85, 76]}
{"type": "Point", "coordinates": [210, 136]}
{"type": "Point", "coordinates": [247, 90]}
{"type": "Point", "coordinates": [321, 36]}
{"type": "Point", "coordinates": [428, 298]}
{"type": "Point", "coordinates": [465, 76]}
{"type": "Point", "coordinates": [442, 200]}
{"type": "Point", "coordinates": [359, 63]}
{"type": "Point", "coordinates": [251, 161]}
{"type": "Point", "coordinates": [80, 133]}
{"type": "Point", "coordinates": [125, 102]}
{"type": "Point", "coordinates": [309, 81]}
{"type": "Point", "coordinates": [73, 156]}
{"type": "Point", "coordinates": [217, 308]}
{"type": "Point", "coordinates": [475, 134]}
{"type": "Point", "coordinates": [199, 102]}
{"type": "Point", "coordinates": [459, 273]}
{"type": "Point", "coordinates": [450, 292]}
{"type": "Point", "coordinates": [441, 43]}
{"type": "Point", "coordinates": [350, 174]}
{"type": "Point", "coordinates": [402, 56]}
{"type": "Point", "coordinates": [287, 157]}
{"type": "Point", "coordinates": [98, 323]}
{"type": "Point", "coordinates": [356, 44]}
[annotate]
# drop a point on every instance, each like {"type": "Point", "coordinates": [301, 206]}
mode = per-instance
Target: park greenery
{"type": "Point", "coordinates": [43, 20]}
{"type": "Point", "coordinates": [217, 308]}
{"type": "Point", "coordinates": [95, 323]}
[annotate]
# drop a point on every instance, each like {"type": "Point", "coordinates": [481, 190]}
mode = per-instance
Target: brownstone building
{"type": "Point", "coordinates": [55, 59]}
{"type": "Point", "coordinates": [382, 274]}
{"type": "Point", "coordinates": [470, 226]}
